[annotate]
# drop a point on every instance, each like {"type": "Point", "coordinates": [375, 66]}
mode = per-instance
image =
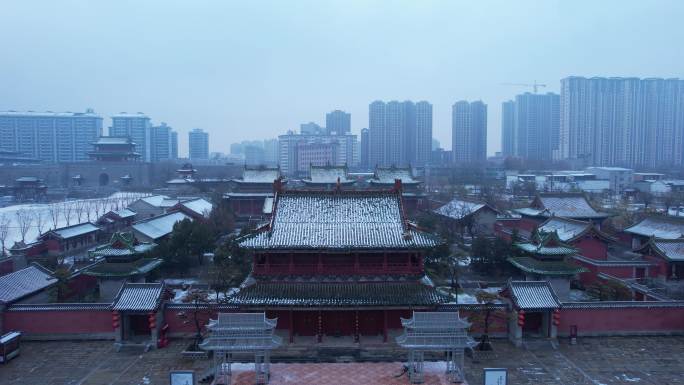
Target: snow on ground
{"type": "Point", "coordinates": [46, 216]}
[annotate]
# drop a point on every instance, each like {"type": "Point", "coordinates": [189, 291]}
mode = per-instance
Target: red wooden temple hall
{"type": "Point", "coordinates": [339, 263]}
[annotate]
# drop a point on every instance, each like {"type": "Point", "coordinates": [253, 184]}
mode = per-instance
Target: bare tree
{"type": "Point", "coordinates": [41, 221]}
{"type": "Point", "coordinates": [88, 208]}
{"type": "Point", "coordinates": [79, 208]}
{"type": "Point", "coordinates": [67, 209]}
{"type": "Point", "coordinates": [24, 220]}
{"type": "Point", "coordinates": [54, 212]}
{"type": "Point", "coordinates": [5, 222]}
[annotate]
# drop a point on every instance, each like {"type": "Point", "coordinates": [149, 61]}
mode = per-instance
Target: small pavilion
{"type": "Point", "coordinates": [246, 333]}
{"type": "Point", "coordinates": [435, 331]}
{"type": "Point", "coordinates": [138, 316]}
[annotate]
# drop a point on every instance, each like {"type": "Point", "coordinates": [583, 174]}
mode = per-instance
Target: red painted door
{"type": "Point", "coordinates": [370, 322]}
{"type": "Point", "coordinates": [305, 323]}
{"type": "Point", "coordinates": [140, 325]}
{"type": "Point", "coordinates": [338, 323]}
{"type": "Point", "coordinates": [533, 322]}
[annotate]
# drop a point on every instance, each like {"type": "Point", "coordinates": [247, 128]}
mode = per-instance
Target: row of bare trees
{"type": "Point", "coordinates": [56, 214]}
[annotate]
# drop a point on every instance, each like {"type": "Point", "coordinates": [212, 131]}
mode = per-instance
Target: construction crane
{"type": "Point", "coordinates": [534, 85]}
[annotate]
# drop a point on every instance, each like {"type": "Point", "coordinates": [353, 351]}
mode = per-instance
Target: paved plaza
{"type": "Point", "coordinates": [594, 361]}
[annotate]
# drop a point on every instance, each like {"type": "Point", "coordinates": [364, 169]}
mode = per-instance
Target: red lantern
{"type": "Point", "coordinates": [521, 318]}
{"type": "Point", "coordinates": [115, 320]}
{"type": "Point", "coordinates": [556, 317]}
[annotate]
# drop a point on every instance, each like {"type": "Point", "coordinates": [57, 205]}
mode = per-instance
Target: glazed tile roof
{"type": "Point", "coordinates": [659, 227]}
{"type": "Point", "coordinates": [138, 297]}
{"type": "Point", "coordinates": [140, 266]}
{"type": "Point", "coordinates": [113, 140]}
{"type": "Point", "coordinates": [545, 250]}
{"type": "Point", "coordinates": [457, 209]}
{"type": "Point", "coordinates": [333, 220]}
{"type": "Point", "coordinates": [672, 249]}
{"type": "Point", "coordinates": [24, 282]}
{"type": "Point", "coordinates": [339, 294]}
{"type": "Point", "coordinates": [536, 266]}
{"type": "Point", "coordinates": [388, 175]}
{"type": "Point", "coordinates": [533, 295]}
{"type": "Point", "coordinates": [159, 226]}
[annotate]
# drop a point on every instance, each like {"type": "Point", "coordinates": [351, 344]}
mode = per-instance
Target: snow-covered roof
{"type": "Point", "coordinates": [672, 249]}
{"type": "Point", "coordinates": [532, 295]}
{"type": "Point", "coordinates": [28, 179]}
{"type": "Point", "coordinates": [159, 226]}
{"type": "Point", "coordinates": [138, 297]}
{"type": "Point", "coordinates": [74, 231]}
{"type": "Point", "coordinates": [387, 175]}
{"type": "Point", "coordinates": [268, 206]}
{"type": "Point", "coordinates": [154, 200]}
{"type": "Point", "coordinates": [457, 209]}
{"type": "Point", "coordinates": [659, 227]}
{"type": "Point", "coordinates": [569, 206]}
{"type": "Point", "coordinates": [124, 213]}
{"type": "Point", "coordinates": [561, 205]}
{"type": "Point", "coordinates": [338, 220]}
{"type": "Point", "coordinates": [199, 206]}
{"type": "Point", "coordinates": [259, 175]}
{"type": "Point", "coordinates": [567, 229]}
{"type": "Point", "coordinates": [327, 175]}
{"type": "Point", "coordinates": [21, 283]}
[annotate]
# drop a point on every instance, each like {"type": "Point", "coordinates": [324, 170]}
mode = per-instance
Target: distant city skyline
{"type": "Point", "coordinates": [189, 76]}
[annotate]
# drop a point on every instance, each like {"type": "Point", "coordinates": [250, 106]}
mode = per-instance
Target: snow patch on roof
{"type": "Point", "coordinates": [24, 282]}
{"type": "Point", "coordinates": [157, 227]}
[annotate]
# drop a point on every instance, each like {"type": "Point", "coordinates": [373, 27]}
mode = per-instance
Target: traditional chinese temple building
{"type": "Point", "coordinates": [251, 198]}
{"type": "Point", "coordinates": [114, 149]}
{"type": "Point", "coordinates": [566, 205]}
{"type": "Point", "coordinates": [547, 258]}
{"type": "Point", "coordinates": [656, 226]}
{"type": "Point", "coordinates": [121, 260]}
{"type": "Point", "coordinates": [328, 177]}
{"type": "Point", "coordinates": [413, 196]}
{"type": "Point", "coordinates": [667, 256]}
{"type": "Point", "coordinates": [333, 263]}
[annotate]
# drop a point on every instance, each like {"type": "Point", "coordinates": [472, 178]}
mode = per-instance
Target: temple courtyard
{"type": "Point", "coordinates": [593, 361]}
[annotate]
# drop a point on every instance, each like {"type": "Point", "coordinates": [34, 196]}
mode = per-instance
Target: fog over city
{"type": "Point", "coordinates": [253, 70]}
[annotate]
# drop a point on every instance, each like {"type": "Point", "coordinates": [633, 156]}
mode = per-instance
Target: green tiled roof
{"type": "Point", "coordinates": [339, 294]}
{"type": "Point", "coordinates": [535, 266]}
{"type": "Point", "coordinates": [545, 250]}
{"type": "Point", "coordinates": [123, 269]}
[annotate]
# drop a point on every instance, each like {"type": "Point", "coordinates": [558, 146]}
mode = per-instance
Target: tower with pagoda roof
{"type": "Point", "coordinates": [114, 149]}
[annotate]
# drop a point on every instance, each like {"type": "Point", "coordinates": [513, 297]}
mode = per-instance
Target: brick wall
{"type": "Point", "coordinates": [65, 323]}
{"type": "Point", "coordinates": [636, 320]}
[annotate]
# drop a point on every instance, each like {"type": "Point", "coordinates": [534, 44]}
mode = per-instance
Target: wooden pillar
{"type": "Point", "coordinates": [291, 316]}
{"type": "Point", "coordinates": [384, 326]}
{"type": "Point", "coordinates": [320, 327]}
{"type": "Point", "coordinates": [268, 262]}
{"type": "Point", "coordinates": [356, 326]}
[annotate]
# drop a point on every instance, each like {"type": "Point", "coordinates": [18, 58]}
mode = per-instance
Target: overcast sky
{"type": "Point", "coordinates": [253, 69]}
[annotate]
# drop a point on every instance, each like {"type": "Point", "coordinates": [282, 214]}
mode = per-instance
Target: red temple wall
{"type": "Point", "coordinates": [592, 247]}
{"type": "Point", "coordinates": [591, 276]}
{"type": "Point", "coordinates": [611, 321]}
{"type": "Point", "coordinates": [90, 324]}
{"type": "Point", "coordinates": [6, 266]}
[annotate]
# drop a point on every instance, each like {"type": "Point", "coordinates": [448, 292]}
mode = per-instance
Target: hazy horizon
{"type": "Point", "coordinates": [244, 71]}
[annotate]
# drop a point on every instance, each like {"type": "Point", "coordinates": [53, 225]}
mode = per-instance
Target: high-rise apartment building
{"type": "Point", "coordinates": [174, 145]}
{"type": "Point", "coordinates": [537, 126]}
{"type": "Point", "coordinates": [137, 127]}
{"type": "Point", "coordinates": [50, 136]}
{"type": "Point", "coordinates": [338, 122]}
{"type": "Point", "coordinates": [198, 144]}
{"type": "Point", "coordinates": [622, 121]}
{"type": "Point", "coordinates": [400, 133]}
{"type": "Point", "coordinates": [271, 152]}
{"type": "Point", "coordinates": [162, 143]}
{"type": "Point", "coordinates": [469, 132]}
{"type": "Point", "coordinates": [508, 128]}
{"type": "Point", "coordinates": [297, 151]}
{"type": "Point", "coordinates": [364, 155]}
